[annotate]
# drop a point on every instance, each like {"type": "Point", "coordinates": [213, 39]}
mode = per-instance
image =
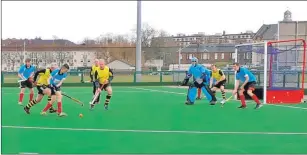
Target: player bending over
{"type": "Point", "coordinates": [199, 73]}
{"type": "Point", "coordinates": [41, 85]}
{"type": "Point", "coordinates": [92, 73]}
{"type": "Point", "coordinates": [249, 82]}
{"type": "Point", "coordinates": [55, 82]}
{"type": "Point", "coordinates": [220, 78]}
{"type": "Point", "coordinates": [103, 78]}
{"type": "Point", "coordinates": [26, 73]}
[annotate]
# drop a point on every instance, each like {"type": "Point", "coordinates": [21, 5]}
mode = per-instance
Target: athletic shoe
{"type": "Point", "coordinates": [223, 101]}
{"type": "Point", "coordinates": [212, 102]}
{"type": "Point", "coordinates": [189, 103]}
{"type": "Point", "coordinates": [258, 106]}
{"type": "Point", "coordinates": [92, 106]}
{"type": "Point", "coordinates": [52, 110]}
{"type": "Point", "coordinates": [198, 98]}
{"type": "Point", "coordinates": [27, 110]}
{"type": "Point", "coordinates": [106, 107]}
{"type": "Point", "coordinates": [62, 114]}
{"type": "Point", "coordinates": [242, 107]}
{"type": "Point", "coordinates": [20, 103]}
{"type": "Point", "coordinates": [43, 113]}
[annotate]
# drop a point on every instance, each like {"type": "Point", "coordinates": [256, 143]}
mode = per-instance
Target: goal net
{"type": "Point", "coordinates": [279, 67]}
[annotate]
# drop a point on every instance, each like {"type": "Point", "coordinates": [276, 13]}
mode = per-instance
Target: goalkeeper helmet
{"type": "Point", "coordinates": [194, 61]}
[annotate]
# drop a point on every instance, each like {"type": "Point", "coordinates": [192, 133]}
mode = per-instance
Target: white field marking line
{"type": "Point", "coordinates": [27, 153]}
{"type": "Point", "coordinates": [156, 131]}
{"type": "Point", "coordinates": [162, 91]}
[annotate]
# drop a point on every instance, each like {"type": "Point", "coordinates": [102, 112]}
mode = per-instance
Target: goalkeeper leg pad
{"type": "Point", "coordinates": [208, 93]}
{"type": "Point", "coordinates": [192, 92]}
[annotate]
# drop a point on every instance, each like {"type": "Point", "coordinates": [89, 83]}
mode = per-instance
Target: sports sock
{"type": "Point", "coordinates": [49, 99]}
{"type": "Point", "coordinates": [48, 106]}
{"type": "Point", "coordinates": [223, 94]}
{"type": "Point", "coordinates": [59, 107]}
{"type": "Point", "coordinates": [255, 98]}
{"type": "Point", "coordinates": [199, 93]}
{"type": "Point", "coordinates": [31, 103]}
{"type": "Point", "coordinates": [213, 92]}
{"type": "Point", "coordinates": [242, 98]}
{"type": "Point", "coordinates": [108, 97]}
{"type": "Point", "coordinates": [21, 97]}
{"type": "Point", "coordinates": [31, 96]}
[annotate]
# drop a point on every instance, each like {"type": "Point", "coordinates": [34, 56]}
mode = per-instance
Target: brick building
{"type": "Point", "coordinates": [44, 52]}
{"type": "Point", "coordinates": [205, 53]}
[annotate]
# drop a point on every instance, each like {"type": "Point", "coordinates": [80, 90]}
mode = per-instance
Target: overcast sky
{"type": "Point", "coordinates": [80, 19]}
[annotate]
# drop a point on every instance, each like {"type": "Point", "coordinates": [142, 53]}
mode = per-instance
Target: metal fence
{"type": "Point", "coordinates": [286, 78]}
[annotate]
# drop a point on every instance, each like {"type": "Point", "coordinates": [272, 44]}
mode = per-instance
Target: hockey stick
{"type": "Point", "coordinates": [96, 95]}
{"type": "Point", "coordinates": [74, 99]}
{"type": "Point", "coordinates": [87, 82]}
{"type": "Point", "coordinates": [22, 80]}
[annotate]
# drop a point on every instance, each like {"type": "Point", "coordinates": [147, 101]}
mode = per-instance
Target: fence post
{"type": "Point", "coordinates": [284, 80]}
{"type": "Point", "coordinates": [298, 80]}
{"type": "Point", "coordinates": [2, 78]}
{"type": "Point", "coordinates": [161, 77]}
{"type": "Point", "coordinates": [82, 76]}
{"type": "Point", "coordinates": [134, 77]}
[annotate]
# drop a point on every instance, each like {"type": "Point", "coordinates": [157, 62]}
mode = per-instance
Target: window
{"type": "Point", "coordinates": [205, 56]}
{"type": "Point", "coordinates": [215, 55]}
{"type": "Point", "coordinates": [75, 60]}
{"type": "Point", "coordinates": [222, 56]}
{"type": "Point", "coordinates": [190, 56]}
{"type": "Point", "coordinates": [67, 60]}
{"type": "Point", "coordinates": [88, 60]}
{"type": "Point", "coordinates": [180, 56]}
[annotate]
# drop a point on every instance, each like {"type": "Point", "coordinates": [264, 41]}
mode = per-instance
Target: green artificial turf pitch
{"type": "Point", "coordinates": [151, 120]}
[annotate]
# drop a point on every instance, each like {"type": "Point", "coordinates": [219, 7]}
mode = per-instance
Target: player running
{"type": "Point", "coordinates": [41, 84]}
{"type": "Point", "coordinates": [103, 77]}
{"type": "Point", "coordinates": [92, 73]}
{"type": "Point", "coordinates": [26, 73]}
{"type": "Point", "coordinates": [249, 82]}
{"type": "Point", "coordinates": [220, 78]}
{"type": "Point", "coordinates": [55, 82]}
{"type": "Point", "coordinates": [199, 73]}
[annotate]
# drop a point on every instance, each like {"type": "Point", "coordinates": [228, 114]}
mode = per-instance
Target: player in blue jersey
{"type": "Point", "coordinates": [200, 74]}
{"type": "Point", "coordinates": [56, 80]}
{"type": "Point", "coordinates": [26, 73]}
{"type": "Point", "coordinates": [249, 82]}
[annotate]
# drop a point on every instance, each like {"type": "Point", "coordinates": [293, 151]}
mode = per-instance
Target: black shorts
{"type": "Point", "coordinates": [250, 85]}
{"type": "Point", "coordinates": [25, 84]}
{"type": "Point", "coordinates": [221, 83]}
{"type": "Point", "coordinates": [40, 90]}
{"type": "Point", "coordinates": [54, 89]}
{"type": "Point", "coordinates": [105, 86]}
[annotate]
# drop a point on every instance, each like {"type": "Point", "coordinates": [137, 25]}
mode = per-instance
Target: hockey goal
{"type": "Point", "coordinates": [279, 67]}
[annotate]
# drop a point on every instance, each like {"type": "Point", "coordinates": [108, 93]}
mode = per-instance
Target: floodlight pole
{"type": "Point", "coordinates": [138, 55]}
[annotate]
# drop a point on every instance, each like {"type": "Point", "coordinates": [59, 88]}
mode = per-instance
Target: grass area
{"type": "Point", "coordinates": [148, 120]}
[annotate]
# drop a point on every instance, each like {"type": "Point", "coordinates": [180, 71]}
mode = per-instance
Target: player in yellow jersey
{"type": "Point", "coordinates": [103, 78]}
{"type": "Point", "coordinates": [95, 66]}
{"type": "Point", "coordinates": [220, 78]}
{"type": "Point", "coordinates": [41, 81]}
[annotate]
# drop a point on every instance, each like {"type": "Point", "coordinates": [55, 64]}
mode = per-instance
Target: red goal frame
{"type": "Point", "coordinates": [286, 95]}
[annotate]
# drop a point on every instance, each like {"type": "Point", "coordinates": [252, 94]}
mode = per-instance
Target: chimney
{"type": "Point", "coordinates": [224, 33]}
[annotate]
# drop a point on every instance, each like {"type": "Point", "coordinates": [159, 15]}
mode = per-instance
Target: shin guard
{"type": "Point", "coordinates": [208, 93]}
{"type": "Point", "coordinates": [192, 92]}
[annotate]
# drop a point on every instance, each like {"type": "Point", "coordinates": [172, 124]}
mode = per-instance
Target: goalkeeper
{"type": "Point", "coordinates": [200, 74]}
